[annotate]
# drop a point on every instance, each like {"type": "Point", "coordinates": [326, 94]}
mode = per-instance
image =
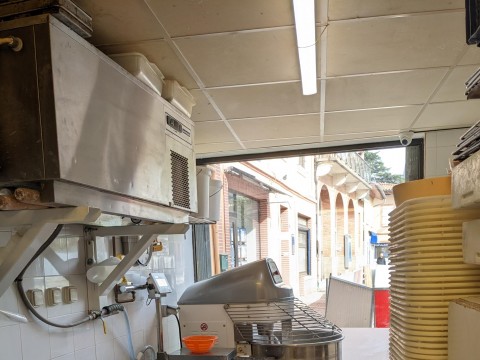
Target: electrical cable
{"type": "Point", "coordinates": [23, 296]}
{"type": "Point", "coordinates": [179, 330]}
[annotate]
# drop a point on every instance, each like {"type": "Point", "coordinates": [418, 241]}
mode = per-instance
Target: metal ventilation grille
{"type": "Point", "coordinates": [287, 322]}
{"type": "Point", "coordinates": [180, 180]}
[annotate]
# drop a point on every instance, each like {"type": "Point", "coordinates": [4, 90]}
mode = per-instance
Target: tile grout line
{"type": "Point", "coordinates": [195, 76]}
{"type": "Point", "coordinates": [439, 86]}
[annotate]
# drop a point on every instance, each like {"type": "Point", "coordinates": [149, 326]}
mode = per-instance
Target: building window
{"type": "Point", "coordinates": [301, 161]}
{"type": "Point", "coordinates": [244, 229]}
{"type": "Point", "coordinates": [283, 219]}
{"type": "Point", "coordinates": [304, 246]}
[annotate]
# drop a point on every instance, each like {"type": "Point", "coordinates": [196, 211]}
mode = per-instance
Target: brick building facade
{"type": "Point", "coordinates": [276, 209]}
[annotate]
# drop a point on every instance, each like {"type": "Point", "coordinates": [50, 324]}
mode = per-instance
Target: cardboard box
{"type": "Point", "coordinates": [464, 329]}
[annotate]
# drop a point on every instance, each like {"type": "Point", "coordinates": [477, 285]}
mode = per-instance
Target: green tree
{"type": "Point", "coordinates": [380, 173]}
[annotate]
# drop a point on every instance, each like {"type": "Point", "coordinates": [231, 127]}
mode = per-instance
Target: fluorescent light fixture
{"type": "Point", "coordinates": [305, 27]}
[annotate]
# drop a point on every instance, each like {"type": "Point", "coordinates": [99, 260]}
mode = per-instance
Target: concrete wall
{"type": "Point", "coordinates": [439, 146]}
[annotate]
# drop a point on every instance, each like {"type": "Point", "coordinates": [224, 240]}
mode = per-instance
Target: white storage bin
{"type": "Point", "coordinates": [471, 242]}
{"type": "Point", "coordinates": [139, 66]}
{"type": "Point", "coordinates": [463, 328]}
{"type": "Point", "coordinates": [178, 96]}
{"type": "Point", "coordinates": [466, 183]}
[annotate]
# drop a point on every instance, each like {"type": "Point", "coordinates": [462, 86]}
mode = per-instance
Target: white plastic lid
{"type": "Point", "coordinates": [99, 272]}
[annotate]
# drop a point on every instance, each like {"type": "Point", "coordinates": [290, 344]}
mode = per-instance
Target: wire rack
{"type": "Point", "coordinates": [287, 322]}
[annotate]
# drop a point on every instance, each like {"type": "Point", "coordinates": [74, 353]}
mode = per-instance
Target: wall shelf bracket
{"type": "Point", "coordinates": [23, 232]}
{"type": "Point", "coordinates": [98, 292]}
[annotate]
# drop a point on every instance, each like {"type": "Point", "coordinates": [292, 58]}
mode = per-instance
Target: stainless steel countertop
{"type": "Point", "coordinates": [214, 354]}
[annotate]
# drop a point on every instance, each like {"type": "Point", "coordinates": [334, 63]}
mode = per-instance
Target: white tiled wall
{"type": "Point", "coordinates": [64, 264]}
{"type": "Point", "coordinates": [439, 146]}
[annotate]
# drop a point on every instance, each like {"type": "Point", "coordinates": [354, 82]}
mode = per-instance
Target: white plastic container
{"type": "Point", "coordinates": [179, 97]}
{"type": "Point", "coordinates": [139, 66]}
{"type": "Point", "coordinates": [215, 199]}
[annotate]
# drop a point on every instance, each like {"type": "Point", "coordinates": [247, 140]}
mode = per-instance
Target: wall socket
{"type": "Point", "coordinates": [35, 296]}
{"type": "Point", "coordinates": [53, 296]}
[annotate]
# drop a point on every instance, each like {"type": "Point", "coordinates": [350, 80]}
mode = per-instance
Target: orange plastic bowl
{"type": "Point", "coordinates": [199, 344]}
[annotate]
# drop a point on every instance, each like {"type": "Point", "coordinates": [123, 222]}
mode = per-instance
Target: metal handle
{"type": "Point", "coordinates": [16, 44]}
{"type": "Point", "coordinates": [126, 289]}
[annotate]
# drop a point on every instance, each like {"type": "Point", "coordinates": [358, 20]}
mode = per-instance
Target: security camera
{"type": "Point", "coordinates": [406, 137]}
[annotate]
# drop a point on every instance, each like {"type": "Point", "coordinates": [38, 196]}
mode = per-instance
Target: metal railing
{"type": "Point", "coordinates": [352, 161]}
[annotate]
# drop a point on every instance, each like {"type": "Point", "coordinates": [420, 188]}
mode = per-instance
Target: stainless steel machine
{"type": "Point", "coordinates": [82, 131]}
{"type": "Point", "coordinates": [250, 309]}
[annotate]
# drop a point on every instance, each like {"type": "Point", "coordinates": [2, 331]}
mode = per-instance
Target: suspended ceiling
{"type": "Point", "coordinates": [383, 66]}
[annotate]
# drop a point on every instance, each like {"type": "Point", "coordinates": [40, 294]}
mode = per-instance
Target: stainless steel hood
{"type": "Point", "coordinates": [84, 132]}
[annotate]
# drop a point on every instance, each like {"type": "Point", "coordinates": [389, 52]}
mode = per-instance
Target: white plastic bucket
{"type": "Point", "coordinates": [215, 199]}
{"type": "Point", "coordinates": [203, 183]}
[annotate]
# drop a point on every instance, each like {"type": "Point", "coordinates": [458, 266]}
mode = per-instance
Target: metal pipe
{"type": "Point", "coordinates": [129, 288]}
{"type": "Point", "coordinates": [158, 306]}
{"type": "Point", "coordinates": [13, 42]}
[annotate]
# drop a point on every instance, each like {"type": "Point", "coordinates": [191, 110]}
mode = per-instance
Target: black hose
{"type": "Point", "coordinates": [23, 296]}
{"type": "Point", "coordinates": [107, 310]}
{"type": "Point", "coordinates": [42, 248]}
{"type": "Point", "coordinates": [179, 330]}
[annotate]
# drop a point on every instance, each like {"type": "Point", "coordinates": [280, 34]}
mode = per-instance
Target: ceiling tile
{"type": "Point", "coordinates": [400, 43]}
{"type": "Point", "coordinates": [282, 127]}
{"type": "Point", "coordinates": [212, 132]}
{"type": "Point", "coordinates": [382, 90]}
{"type": "Point", "coordinates": [362, 138]}
{"type": "Point", "coordinates": [351, 122]}
{"type": "Point", "coordinates": [264, 100]}
{"type": "Point", "coordinates": [351, 9]}
{"type": "Point", "coordinates": [453, 89]}
{"type": "Point", "coordinates": [216, 149]}
{"type": "Point", "coordinates": [203, 110]}
{"type": "Point", "coordinates": [193, 17]}
{"type": "Point", "coordinates": [114, 23]}
{"type": "Point", "coordinates": [449, 115]}
{"type": "Point", "coordinates": [159, 53]}
{"type": "Point", "coordinates": [472, 56]}
{"type": "Point", "coordinates": [301, 142]}
{"type": "Point", "coordinates": [243, 58]}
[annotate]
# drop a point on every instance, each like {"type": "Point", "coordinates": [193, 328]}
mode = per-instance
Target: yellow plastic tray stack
{"type": "Point", "coordinates": [427, 273]}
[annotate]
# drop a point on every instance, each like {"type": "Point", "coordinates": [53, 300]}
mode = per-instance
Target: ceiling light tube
{"type": "Point", "coordinates": [305, 28]}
